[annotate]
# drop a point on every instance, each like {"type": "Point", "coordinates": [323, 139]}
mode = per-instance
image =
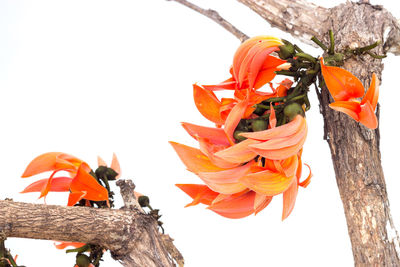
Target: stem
{"type": "Point", "coordinates": [287, 73]}
{"type": "Point", "coordinates": [307, 57]}
{"type": "Point", "coordinates": [298, 49]}
{"type": "Point", "coordinates": [375, 55]}
{"type": "Point", "coordinates": [319, 43]}
{"type": "Point", "coordinates": [368, 47]}
{"type": "Point", "coordinates": [331, 50]}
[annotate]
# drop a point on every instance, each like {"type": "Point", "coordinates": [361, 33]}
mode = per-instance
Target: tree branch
{"type": "Point", "coordinates": [131, 235]}
{"type": "Point", "coordinates": [212, 14]}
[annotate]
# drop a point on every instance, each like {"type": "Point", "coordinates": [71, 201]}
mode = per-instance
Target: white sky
{"type": "Point", "coordinates": [94, 77]}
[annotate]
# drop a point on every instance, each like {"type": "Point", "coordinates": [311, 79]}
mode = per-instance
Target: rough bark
{"type": "Point", "coordinates": [354, 148]}
{"type": "Point", "coordinates": [131, 235]}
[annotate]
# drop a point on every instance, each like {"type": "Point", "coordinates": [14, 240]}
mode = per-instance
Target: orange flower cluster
{"type": "Point", "coordinates": [79, 183]}
{"type": "Point", "coordinates": [244, 170]}
{"type": "Point", "coordinates": [345, 88]}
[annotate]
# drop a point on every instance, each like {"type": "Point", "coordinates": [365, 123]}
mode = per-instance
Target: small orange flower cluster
{"type": "Point", "coordinates": [79, 183]}
{"type": "Point", "coordinates": [243, 168]}
{"type": "Point", "coordinates": [345, 88]}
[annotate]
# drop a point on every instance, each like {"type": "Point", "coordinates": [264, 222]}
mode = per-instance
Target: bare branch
{"type": "Point", "coordinates": [212, 14]}
{"type": "Point", "coordinates": [299, 18]}
{"type": "Point", "coordinates": [131, 236]}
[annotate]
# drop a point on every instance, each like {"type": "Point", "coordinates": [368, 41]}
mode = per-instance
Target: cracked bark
{"type": "Point", "coordinates": [131, 235]}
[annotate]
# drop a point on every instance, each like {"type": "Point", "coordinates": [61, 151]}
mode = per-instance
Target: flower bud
{"type": "Point", "coordinates": [82, 260]}
{"type": "Point", "coordinates": [144, 201]}
{"type": "Point", "coordinates": [286, 51]}
{"type": "Point", "coordinates": [292, 110]}
{"type": "Point", "coordinates": [259, 125]}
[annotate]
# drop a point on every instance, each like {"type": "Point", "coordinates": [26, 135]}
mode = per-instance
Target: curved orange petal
{"type": "Point", "coordinates": [350, 108]}
{"type": "Point", "coordinates": [207, 104]}
{"type": "Point", "coordinates": [287, 166]}
{"type": "Point", "coordinates": [281, 153]}
{"type": "Point", "coordinates": [289, 199]}
{"type": "Point", "coordinates": [342, 84]}
{"type": "Point", "coordinates": [215, 135]}
{"type": "Point", "coordinates": [272, 118]}
{"type": "Point", "coordinates": [75, 197]}
{"type": "Point", "coordinates": [229, 84]}
{"type": "Point", "coordinates": [306, 181]}
{"type": "Point", "coordinates": [372, 94]}
{"type": "Point", "coordinates": [280, 131]}
{"type": "Point", "coordinates": [367, 116]}
{"type": "Point", "coordinates": [84, 182]}
{"type": "Point", "coordinates": [62, 245]}
{"type": "Point", "coordinates": [194, 160]}
{"type": "Point", "coordinates": [261, 202]}
{"type": "Point", "coordinates": [238, 153]}
{"type": "Point", "coordinates": [199, 193]}
{"type": "Point", "coordinates": [43, 163]}
{"type": "Point", "coordinates": [267, 182]}
{"type": "Point", "coordinates": [58, 184]}
{"type": "Point", "coordinates": [209, 149]}
{"type": "Point", "coordinates": [278, 143]}
{"type": "Point", "coordinates": [115, 165]}
{"type": "Point", "coordinates": [235, 206]}
{"type": "Point", "coordinates": [256, 64]}
{"type": "Point", "coordinates": [233, 118]}
{"type": "Point", "coordinates": [267, 71]}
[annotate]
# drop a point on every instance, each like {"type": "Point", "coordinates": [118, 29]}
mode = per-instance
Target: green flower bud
{"type": "Point", "coordinates": [238, 137]}
{"type": "Point", "coordinates": [144, 201]}
{"type": "Point", "coordinates": [292, 110]}
{"type": "Point", "coordinates": [259, 125]}
{"type": "Point", "coordinates": [82, 260]}
{"type": "Point", "coordinates": [286, 51]}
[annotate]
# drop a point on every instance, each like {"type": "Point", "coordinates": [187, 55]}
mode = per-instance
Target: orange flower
{"type": "Point", "coordinates": [238, 181]}
{"type": "Point", "coordinates": [80, 185]}
{"type": "Point", "coordinates": [345, 88]}
{"type": "Point", "coordinates": [241, 178]}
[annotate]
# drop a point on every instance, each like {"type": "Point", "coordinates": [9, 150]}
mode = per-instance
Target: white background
{"type": "Point", "coordinates": [94, 77]}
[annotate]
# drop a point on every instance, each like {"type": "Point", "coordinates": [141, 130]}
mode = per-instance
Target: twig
{"type": "Point", "coordinates": [212, 14]}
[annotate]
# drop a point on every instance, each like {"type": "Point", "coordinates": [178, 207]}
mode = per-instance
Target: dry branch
{"type": "Point", "coordinates": [131, 235]}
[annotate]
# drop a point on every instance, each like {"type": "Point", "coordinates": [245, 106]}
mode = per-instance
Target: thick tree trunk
{"type": "Point", "coordinates": [354, 148]}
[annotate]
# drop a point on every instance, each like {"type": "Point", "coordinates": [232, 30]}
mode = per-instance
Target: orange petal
{"type": "Point", "coordinates": [43, 163]}
{"type": "Point", "coordinates": [342, 85]}
{"type": "Point", "coordinates": [267, 182]}
{"type": "Point", "coordinates": [209, 149]}
{"type": "Point", "coordinates": [101, 162]}
{"type": "Point", "coordinates": [261, 202]}
{"type": "Point", "coordinates": [267, 72]}
{"type": "Point", "coordinates": [238, 153]}
{"type": "Point", "coordinates": [115, 165]}
{"type": "Point", "coordinates": [289, 199]}
{"type": "Point", "coordinates": [306, 181]}
{"type": "Point", "coordinates": [215, 135]}
{"type": "Point", "coordinates": [367, 116]}
{"type": "Point", "coordinates": [373, 93]}
{"type": "Point", "coordinates": [257, 62]}
{"type": "Point", "coordinates": [226, 181]}
{"type": "Point", "coordinates": [278, 143]}
{"type": "Point", "coordinates": [235, 206]}
{"type": "Point", "coordinates": [280, 131]}
{"type": "Point", "coordinates": [75, 197]}
{"type": "Point", "coordinates": [199, 193]}
{"type": "Point", "coordinates": [233, 119]}
{"type": "Point", "coordinates": [58, 184]}
{"type": "Point", "coordinates": [282, 153]}
{"type": "Point", "coordinates": [207, 103]}
{"type": "Point", "coordinates": [194, 159]}
{"type": "Point", "coordinates": [62, 245]}
{"type": "Point", "coordinates": [229, 84]}
{"type": "Point", "coordinates": [350, 108]}
{"type": "Point", "coordinates": [84, 182]}
{"type": "Point", "coordinates": [287, 166]}
{"type": "Point", "coordinates": [272, 118]}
